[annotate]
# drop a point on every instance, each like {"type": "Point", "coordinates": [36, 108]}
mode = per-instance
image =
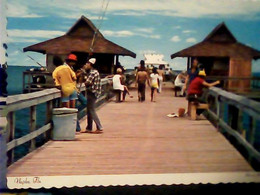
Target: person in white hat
{"type": "Point", "coordinates": [92, 60]}
{"type": "Point", "coordinates": [93, 86]}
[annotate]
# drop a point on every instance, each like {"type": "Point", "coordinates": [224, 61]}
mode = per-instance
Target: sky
{"type": "Point", "coordinates": [142, 26]}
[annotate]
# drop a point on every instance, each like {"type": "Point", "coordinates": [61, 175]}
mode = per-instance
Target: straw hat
{"type": "Point", "coordinates": [119, 70]}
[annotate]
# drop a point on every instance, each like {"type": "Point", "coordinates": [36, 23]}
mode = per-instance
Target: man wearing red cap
{"type": "Point", "coordinates": [65, 77]}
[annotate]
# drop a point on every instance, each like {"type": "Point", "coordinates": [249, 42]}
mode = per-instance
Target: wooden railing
{"type": "Point", "coordinates": [17, 102]}
{"type": "Point", "coordinates": [251, 90]}
{"type": "Point", "coordinates": [37, 81]}
{"type": "Point", "coordinates": [238, 118]}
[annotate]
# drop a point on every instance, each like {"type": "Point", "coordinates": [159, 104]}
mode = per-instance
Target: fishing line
{"type": "Point", "coordinates": [99, 26]}
{"type": "Point", "coordinates": [27, 55]}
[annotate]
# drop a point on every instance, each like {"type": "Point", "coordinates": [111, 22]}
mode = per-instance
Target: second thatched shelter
{"type": "Point", "coordinates": [222, 55]}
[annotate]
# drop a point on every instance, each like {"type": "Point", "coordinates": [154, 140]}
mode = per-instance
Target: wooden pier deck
{"type": "Point", "coordinates": [138, 138]}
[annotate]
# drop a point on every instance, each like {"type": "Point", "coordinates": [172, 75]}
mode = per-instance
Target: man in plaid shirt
{"type": "Point", "coordinates": [93, 87]}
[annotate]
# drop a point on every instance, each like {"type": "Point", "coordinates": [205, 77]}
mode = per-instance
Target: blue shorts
{"type": "Point", "coordinates": [73, 96]}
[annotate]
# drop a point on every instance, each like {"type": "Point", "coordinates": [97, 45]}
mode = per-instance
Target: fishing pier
{"type": "Point", "coordinates": [139, 139]}
{"type": "Point", "coordinates": [140, 145]}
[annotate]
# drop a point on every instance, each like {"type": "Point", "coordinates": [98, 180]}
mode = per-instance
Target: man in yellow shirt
{"type": "Point", "coordinates": [65, 77]}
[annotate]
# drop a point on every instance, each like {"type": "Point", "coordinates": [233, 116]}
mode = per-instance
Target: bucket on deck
{"type": "Point", "coordinates": [64, 123]}
{"type": "Point", "coordinates": [181, 112]}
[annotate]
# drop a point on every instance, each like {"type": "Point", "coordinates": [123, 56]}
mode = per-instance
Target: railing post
{"type": "Point", "coordinates": [29, 84]}
{"type": "Point", "coordinates": [49, 107]}
{"type": "Point", "coordinates": [3, 145]}
{"type": "Point", "coordinates": [252, 130]}
{"type": "Point", "coordinates": [218, 106]}
{"type": "Point", "coordinates": [240, 123]}
{"type": "Point", "coordinates": [11, 135]}
{"type": "Point", "coordinates": [32, 125]}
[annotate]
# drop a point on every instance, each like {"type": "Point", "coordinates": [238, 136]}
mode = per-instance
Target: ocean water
{"type": "Point", "coordinates": [15, 86]}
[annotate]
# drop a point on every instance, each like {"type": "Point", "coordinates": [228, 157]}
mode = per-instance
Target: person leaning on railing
{"type": "Point", "coordinates": [65, 77]}
{"type": "Point", "coordinates": [195, 89]}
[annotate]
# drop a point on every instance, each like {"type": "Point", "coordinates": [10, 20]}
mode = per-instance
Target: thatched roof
{"type": "Point", "coordinates": [79, 39]}
{"type": "Point", "coordinates": [219, 43]}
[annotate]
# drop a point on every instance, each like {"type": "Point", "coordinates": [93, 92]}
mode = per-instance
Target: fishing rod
{"type": "Point", "coordinates": [27, 55]}
{"type": "Point", "coordinates": [32, 58]}
{"type": "Point", "coordinates": [99, 26]}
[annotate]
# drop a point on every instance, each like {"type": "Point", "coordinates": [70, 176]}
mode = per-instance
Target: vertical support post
{"type": "Point", "coordinates": [188, 63]}
{"type": "Point", "coordinates": [29, 82]}
{"type": "Point", "coordinates": [23, 82]}
{"type": "Point", "coordinates": [10, 135]}
{"type": "Point", "coordinates": [220, 111]}
{"type": "Point", "coordinates": [117, 61]}
{"type": "Point", "coordinates": [218, 106]}
{"type": "Point", "coordinates": [193, 109]}
{"type": "Point", "coordinates": [3, 144]}
{"type": "Point", "coordinates": [252, 130]}
{"type": "Point", "coordinates": [32, 125]}
{"type": "Point", "coordinates": [49, 107]}
{"type": "Point", "coordinates": [240, 123]}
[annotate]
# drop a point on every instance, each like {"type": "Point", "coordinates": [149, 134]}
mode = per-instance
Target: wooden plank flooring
{"type": "Point", "coordinates": [138, 138]}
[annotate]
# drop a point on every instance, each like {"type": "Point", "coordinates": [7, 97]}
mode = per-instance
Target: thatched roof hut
{"type": "Point", "coordinates": [219, 43]}
{"type": "Point", "coordinates": [222, 55]}
{"type": "Point", "coordinates": [82, 39]}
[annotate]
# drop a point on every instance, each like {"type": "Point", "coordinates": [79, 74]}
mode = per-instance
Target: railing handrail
{"type": "Point", "coordinates": [237, 100]}
{"type": "Point", "coordinates": [234, 77]}
{"type": "Point", "coordinates": [20, 101]}
{"type": "Point", "coordinates": [31, 100]}
{"type": "Point", "coordinates": [226, 111]}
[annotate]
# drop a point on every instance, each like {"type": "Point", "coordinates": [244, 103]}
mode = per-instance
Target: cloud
{"type": "Point", "coordinates": [145, 30]}
{"type": "Point", "coordinates": [122, 33]}
{"type": "Point", "coordinates": [177, 27]}
{"type": "Point", "coordinates": [22, 40]}
{"type": "Point", "coordinates": [154, 36]}
{"type": "Point", "coordinates": [188, 31]}
{"type": "Point", "coordinates": [34, 33]}
{"type": "Point", "coordinates": [126, 33]}
{"type": "Point", "coordinates": [175, 38]}
{"type": "Point", "coordinates": [77, 15]}
{"type": "Point", "coordinates": [129, 13]}
{"type": "Point", "coordinates": [148, 51]}
{"type": "Point", "coordinates": [31, 36]}
{"type": "Point", "coordinates": [200, 8]}
{"type": "Point", "coordinates": [16, 9]}
{"type": "Point", "coordinates": [191, 40]}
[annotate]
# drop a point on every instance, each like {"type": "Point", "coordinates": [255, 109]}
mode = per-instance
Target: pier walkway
{"type": "Point", "coordinates": [138, 138]}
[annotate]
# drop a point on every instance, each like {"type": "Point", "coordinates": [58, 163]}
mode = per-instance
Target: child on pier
{"type": "Point", "coordinates": [154, 84]}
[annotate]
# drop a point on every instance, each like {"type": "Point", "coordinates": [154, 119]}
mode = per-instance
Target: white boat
{"type": "Point", "coordinates": [156, 60]}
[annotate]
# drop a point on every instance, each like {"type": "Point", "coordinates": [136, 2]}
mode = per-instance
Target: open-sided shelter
{"type": "Point", "coordinates": [222, 55]}
{"type": "Point", "coordinates": [84, 40]}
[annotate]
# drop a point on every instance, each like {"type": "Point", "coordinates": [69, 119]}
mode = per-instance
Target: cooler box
{"type": "Point", "coordinates": [64, 123]}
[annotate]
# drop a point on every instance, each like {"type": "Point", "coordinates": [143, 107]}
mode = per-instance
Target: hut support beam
{"type": "Point", "coordinates": [235, 65]}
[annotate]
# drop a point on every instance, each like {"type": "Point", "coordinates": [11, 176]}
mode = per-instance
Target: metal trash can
{"type": "Point", "coordinates": [64, 123]}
